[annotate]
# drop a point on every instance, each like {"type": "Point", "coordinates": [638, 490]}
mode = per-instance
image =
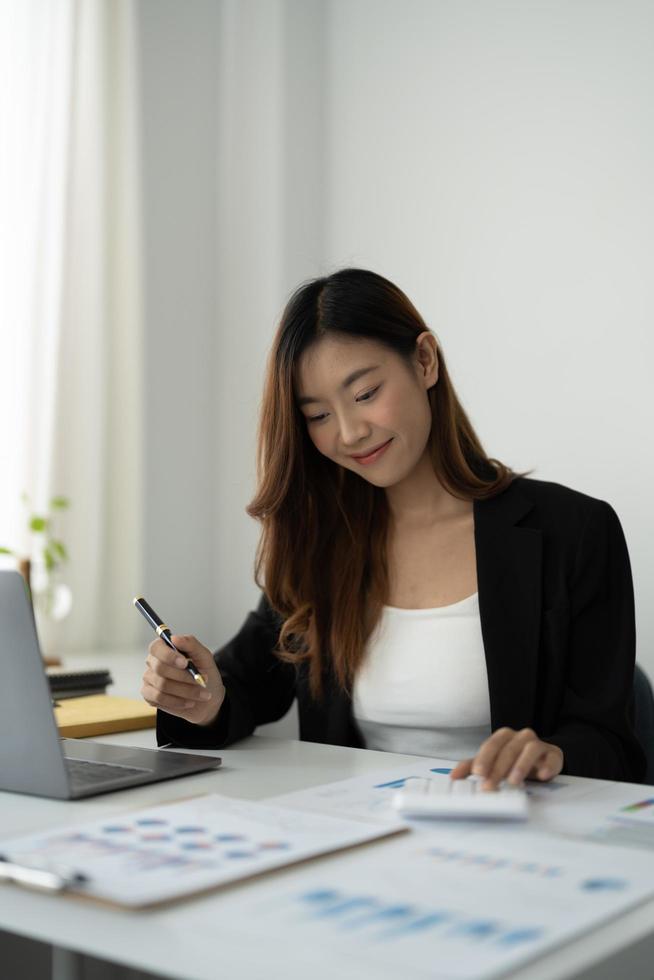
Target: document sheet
{"type": "Point", "coordinates": [445, 905]}
{"type": "Point", "coordinates": [149, 856]}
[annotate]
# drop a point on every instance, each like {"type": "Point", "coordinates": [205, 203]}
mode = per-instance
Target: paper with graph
{"type": "Point", "coordinates": [369, 797]}
{"type": "Point", "coordinates": [154, 855]}
{"type": "Point", "coordinates": [448, 905]}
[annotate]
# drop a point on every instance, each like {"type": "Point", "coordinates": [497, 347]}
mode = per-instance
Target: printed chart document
{"type": "Point", "coordinates": [618, 815]}
{"type": "Point", "coordinates": [457, 900]}
{"type": "Point", "coordinates": [441, 906]}
{"type": "Point", "coordinates": [369, 797]}
{"type": "Point", "coordinates": [610, 813]}
{"type": "Point", "coordinates": [153, 855]}
{"type": "Point", "coordinates": [631, 825]}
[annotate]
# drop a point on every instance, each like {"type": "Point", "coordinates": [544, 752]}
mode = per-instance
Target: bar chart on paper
{"type": "Point", "coordinates": [370, 798]}
{"type": "Point", "coordinates": [631, 825]}
{"type": "Point", "coordinates": [447, 906]}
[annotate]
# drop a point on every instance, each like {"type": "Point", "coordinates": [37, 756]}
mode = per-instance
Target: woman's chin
{"type": "Point", "coordinates": [382, 480]}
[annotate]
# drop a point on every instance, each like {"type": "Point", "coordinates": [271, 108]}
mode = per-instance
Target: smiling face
{"type": "Point", "coordinates": [366, 408]}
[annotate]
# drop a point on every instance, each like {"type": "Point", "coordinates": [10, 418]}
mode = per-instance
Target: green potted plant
{"type": "Point", "coordinates": [51, 598]}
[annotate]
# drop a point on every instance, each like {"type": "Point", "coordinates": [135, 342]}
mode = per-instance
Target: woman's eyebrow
{"type": "Point", "coordinates": [351, 378]}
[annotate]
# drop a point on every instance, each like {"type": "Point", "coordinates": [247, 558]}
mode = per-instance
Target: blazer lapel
{"type": "Point", "coordinates": [509, 567]}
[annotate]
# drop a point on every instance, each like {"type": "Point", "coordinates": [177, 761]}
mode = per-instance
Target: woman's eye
{"type": "Point", "coordinates": [316, 418]}
{"type": "Point", "coordinates": [367, 395]}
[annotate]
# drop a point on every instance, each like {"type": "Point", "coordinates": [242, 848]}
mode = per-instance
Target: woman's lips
{"type": "Point", "coordinates": [373, 456]}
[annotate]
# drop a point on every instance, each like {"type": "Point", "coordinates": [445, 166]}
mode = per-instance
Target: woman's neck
{"type": "Point", "coordinates": [420, 501]}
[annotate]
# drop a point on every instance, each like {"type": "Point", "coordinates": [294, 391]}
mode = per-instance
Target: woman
{"type": "Point", "coordinates": [419, 596]}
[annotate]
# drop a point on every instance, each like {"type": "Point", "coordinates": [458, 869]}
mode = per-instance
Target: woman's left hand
{"type": "Point", "coordinates": [514, 756]}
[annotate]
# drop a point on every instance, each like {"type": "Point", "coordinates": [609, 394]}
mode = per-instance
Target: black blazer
{"type": "Point", "coordinates": [557, 620]}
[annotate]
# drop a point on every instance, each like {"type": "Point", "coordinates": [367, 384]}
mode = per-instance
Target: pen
{"type": "Point", "coordinates": [160, 628]}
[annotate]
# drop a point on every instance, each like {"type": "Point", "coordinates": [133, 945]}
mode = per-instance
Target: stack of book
{"type": "Point", "coordinates": [77, 683]}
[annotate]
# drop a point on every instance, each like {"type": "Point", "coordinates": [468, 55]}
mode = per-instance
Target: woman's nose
{"type": "Point", "coordinates": [353, 430]}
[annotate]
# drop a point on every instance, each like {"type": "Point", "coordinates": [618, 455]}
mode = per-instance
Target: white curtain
{"type": "Point", "coordinates": [70, 300]}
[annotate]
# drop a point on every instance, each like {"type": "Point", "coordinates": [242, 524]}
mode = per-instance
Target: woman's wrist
{"type": "Point", "coordinates": [214, 712]}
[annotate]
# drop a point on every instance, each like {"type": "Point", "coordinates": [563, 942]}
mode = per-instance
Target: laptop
{"type": "Point", "coordinates": [33, 758]}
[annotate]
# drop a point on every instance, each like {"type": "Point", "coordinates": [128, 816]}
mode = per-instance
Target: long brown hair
{"type": "Point", "coordinates": [322, 554]}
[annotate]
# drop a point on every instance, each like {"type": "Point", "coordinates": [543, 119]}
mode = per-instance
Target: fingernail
{"type": "Point", "coordinates": [478, 770]}
{"type": "Point", "coordinates": [205, 696]}
{"type": "Point", "coordinates": [180, 661]}
{"type": "Point", "coordinates": [515, 776]}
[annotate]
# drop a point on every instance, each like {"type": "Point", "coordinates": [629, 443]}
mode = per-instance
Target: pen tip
{"type": "Point", "coordinates": [137, 598]}
{"type": "Point", "coordinates": [199, 679]}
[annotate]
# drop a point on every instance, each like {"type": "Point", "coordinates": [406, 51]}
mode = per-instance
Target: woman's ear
{"type": "Point", "coordinates": [427, 358]}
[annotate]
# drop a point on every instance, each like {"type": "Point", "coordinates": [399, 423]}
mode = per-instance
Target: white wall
{"type": "Point", "coordinates": [232, 184]}
{"type": "Point", "coordinates": [179, 55]}
{"type": "Point", "coordinates": [493, 158]}
{"type": "Point", "coordinates": [270, 221]}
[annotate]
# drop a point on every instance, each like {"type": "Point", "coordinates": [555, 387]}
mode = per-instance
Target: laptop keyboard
{"type": "Point", "coordinates": [83, 773]}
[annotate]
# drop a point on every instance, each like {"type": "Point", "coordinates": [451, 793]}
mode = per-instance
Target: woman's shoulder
{"type": "Point", "coordinates": [550, 490]}
{"type": "Point", "coordinates": [558, 503]}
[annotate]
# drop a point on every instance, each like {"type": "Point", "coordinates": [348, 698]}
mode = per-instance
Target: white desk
{"type": "Point", "coordinates": [167, 941]}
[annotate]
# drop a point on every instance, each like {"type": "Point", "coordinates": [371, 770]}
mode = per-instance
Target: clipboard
{"type": "Point", "coordinates": [154, 856]}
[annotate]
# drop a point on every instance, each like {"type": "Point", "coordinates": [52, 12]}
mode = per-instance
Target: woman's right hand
{"type": "Point", "coordinates": [166, 685]}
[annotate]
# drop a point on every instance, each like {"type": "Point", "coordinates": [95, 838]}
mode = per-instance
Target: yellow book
{"type": "Point", "coordinates": [102, 714]}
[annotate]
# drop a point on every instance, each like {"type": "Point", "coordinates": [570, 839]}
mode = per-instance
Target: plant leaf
{"type": "Point", "coordinates": [60, 503]}
{"type": "Point", "coordinates": [6, 551]}
{"type": "Point", "coordinates": [60, 549]}
{"type": "Point", "coordinates": [38, 523]}
{"type": "Point", "coordinates": [49, 559]}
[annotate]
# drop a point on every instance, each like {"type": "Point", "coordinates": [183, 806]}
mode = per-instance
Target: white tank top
{"type": "Point", "coordinates": [423, 686]}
